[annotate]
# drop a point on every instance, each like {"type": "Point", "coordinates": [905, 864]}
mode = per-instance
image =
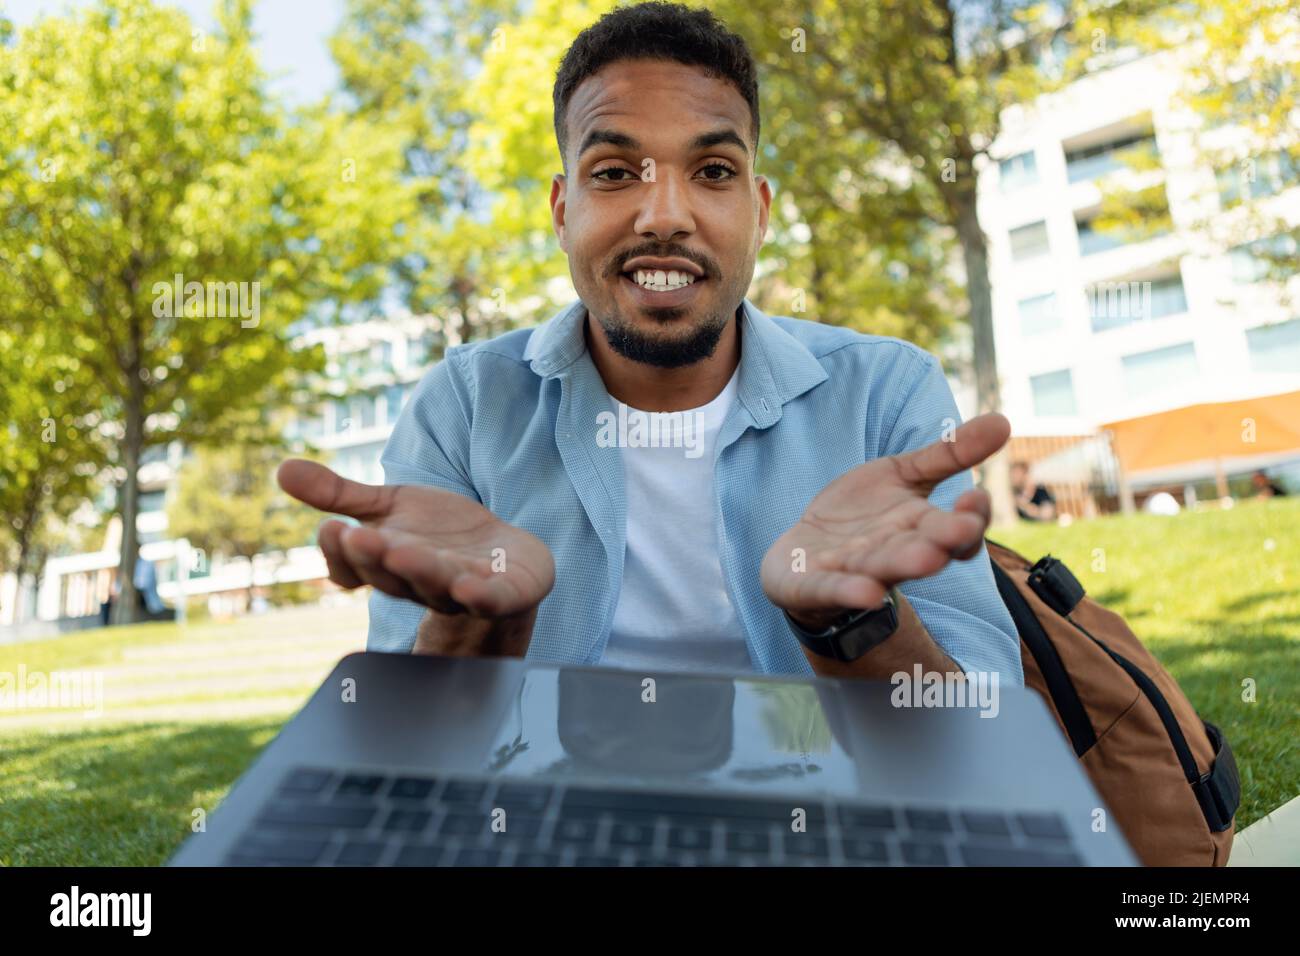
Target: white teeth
{"type": "Point", "coordinates": [659, 281]}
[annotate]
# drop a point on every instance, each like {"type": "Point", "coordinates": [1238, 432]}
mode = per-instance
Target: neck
{"type": "Point", "coordinates": [653, 389]}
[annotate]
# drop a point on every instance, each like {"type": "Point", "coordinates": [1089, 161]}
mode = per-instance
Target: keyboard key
{"type": "Point", "coordinates": [317, 815]}
{"type": "Point", "coordinates": [986, 824]}
{"type": "Point", "coordinates": [924, 854]}
{"type": "Point", "coordinates": [478, 857]}
{"type": "Point", "coordinates": [408, 821]}
{"type": "Point", "coordinates": [464, 824]}
{"type": "Point", "coordinates": [800, 845]}
{"type": "Point", "coordinates": [263, 848]}
{"type": "Point", "coordinates": [576, 831]}
{"type": "Point", "coordinates": [588, 859]}
{"type": "Point", "coordinates": [690, 837]}
{"type": "Point", "coordinates": [463, 791]}
{"type": "Point", "coordinates": [867, 818]}
{"type": "Point", "coordinates": [865, 850]}
{"type": "Point", "coordinates": [632, 834]}
{"type": "Point", "coordinates": [520, 824]}
{"type": "Point", "coordinates": [411, 788]}
{"type": "Point", "coordinates": [305, 781]}
{"type": "Point", "coordinates": [670, 804]}
{"type": "Point", "coordinates": [517, 796]}
{"type": "Point", "coordinates": [973, 855]}
{"type": "Point", "coordinates": [537, 858]}
{"type": "Point", "coordinates": [1043, 826]}
{"type": "Point", "coordinates": [931, 821]}
{"type": "Point", "coordinates": [420, 855]}
{"type": "Point", "coordinates": [359, 853]}
{"type": "Point", "coordinates": [748, 841]}
{"type": "Point", "coordinates": [360, 785]}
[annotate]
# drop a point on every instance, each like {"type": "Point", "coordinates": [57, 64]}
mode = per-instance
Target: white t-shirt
{"type": "Point", "coordinates": [674, 611]}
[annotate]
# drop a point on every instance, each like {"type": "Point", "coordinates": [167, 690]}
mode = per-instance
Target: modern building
{"type": "Point", "coordinates": [1092, 328]}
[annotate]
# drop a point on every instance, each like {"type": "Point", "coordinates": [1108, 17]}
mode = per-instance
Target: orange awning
{"type": "Point", "coordinates": [1209, 430]}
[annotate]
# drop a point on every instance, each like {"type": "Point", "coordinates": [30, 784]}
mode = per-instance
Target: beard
{"type": "Point", "coordinates": [638, 346]}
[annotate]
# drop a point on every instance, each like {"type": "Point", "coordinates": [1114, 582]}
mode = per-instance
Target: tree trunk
{"type": "Point", "coordinates": [124, 612]}
{"type": "Point", "coordinates": [988, 397]}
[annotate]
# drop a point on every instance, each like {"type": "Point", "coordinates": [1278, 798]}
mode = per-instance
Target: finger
{"type": "Point", "coordinates": [364, 550]}
{"type": "Point", "coordinates": [340, 571]}
{"type": "Point", "coordinates": [975, 501]}
{"type": "Point", "coordinates": [953, 531]}
{"type": "Point", "coordinates": [489, 595]}
{"type": "Point", "coordinates": [314, 484]}
{"type": "Point", "coordinates": [974, 441]}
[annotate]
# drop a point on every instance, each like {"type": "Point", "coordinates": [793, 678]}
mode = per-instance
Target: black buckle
{"type": "Point", "coordinates": [1056, 585]}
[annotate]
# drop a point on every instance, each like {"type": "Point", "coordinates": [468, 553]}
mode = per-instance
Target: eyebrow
{"type": "Point", "coordinates": [705, 140]}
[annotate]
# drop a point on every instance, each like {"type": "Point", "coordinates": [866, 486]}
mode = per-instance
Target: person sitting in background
{"type": "Point", "coordinates": [1035, 505]}
{"type": "Point", "coordinates": [1265, 487]}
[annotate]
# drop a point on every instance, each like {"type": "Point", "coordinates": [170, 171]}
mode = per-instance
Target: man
{"type": "Point", "coordinates": [1265, 487]}
{"type": "Point", "coordinates": [812, 470]}
{"type": "Point", "coordinates": [1032, 505]}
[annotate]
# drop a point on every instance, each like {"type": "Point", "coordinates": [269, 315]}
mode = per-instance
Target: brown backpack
{"type": "Point", "coordinates": [1167, 776]}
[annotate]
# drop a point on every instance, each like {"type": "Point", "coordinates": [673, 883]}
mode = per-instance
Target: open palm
{"type": "Point", "coordinates": [873, 527]}
{"type": "Point", "coordinates": [431, 546]}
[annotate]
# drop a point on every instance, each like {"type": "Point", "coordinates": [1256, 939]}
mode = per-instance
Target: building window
{"type": "Point", "coordinates": [1154, 371]}
{"type": "Point", "coordinates": [1089, 162]}
{"type": "Point", "coordinates": [1029, 242]}
{"type": "Point", "coordinates": [392, 402]}
{"type": "Point", "coordinates": [1253, 261]}
{"type": "Point", "coordinates": [1018, 171]}
{"type": "Point", "coordinates": [1039, 314]}
{"type": "Point", "coordinates": [1112, 305]}
{"type": "Point", "coordinates": [1053, 393]}
{"type": "Point", "coordinates": [1275, 348]}
{"type": "Point", "coordinates": [1253, 178]}
{"type": "Point", "coordinates": [1092, 240]}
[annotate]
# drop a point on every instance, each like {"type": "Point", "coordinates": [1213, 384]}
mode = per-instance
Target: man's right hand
{"type": "Point", "coordinates": [434, 547]}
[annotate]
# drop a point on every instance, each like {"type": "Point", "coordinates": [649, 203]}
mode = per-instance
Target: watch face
{"type": "Point", "coordinates": [866, 634]}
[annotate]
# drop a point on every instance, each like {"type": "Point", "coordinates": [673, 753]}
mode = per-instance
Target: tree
{"type": "Point", "coordinates": [407, 65]}
{"type": "Point", "coordinates": [227, 503]}
{"type": "Point", "coordinates": [50, 454]}
{"type": "Point", "coordinates": [172, 221]}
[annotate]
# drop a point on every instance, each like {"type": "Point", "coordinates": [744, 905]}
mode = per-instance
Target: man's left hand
{"type": "Point", "coordinates": [874, 527]}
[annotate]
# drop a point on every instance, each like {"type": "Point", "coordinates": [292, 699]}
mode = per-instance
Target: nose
{"type": "Point", "coordinates": [665, 209]}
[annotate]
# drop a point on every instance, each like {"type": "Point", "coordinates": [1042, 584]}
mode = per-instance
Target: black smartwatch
{"type": "Point", "coordinates": [849, 638]}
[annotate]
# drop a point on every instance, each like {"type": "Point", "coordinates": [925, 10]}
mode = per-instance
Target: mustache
{"type": "Point", "coordinates": [671, 252]}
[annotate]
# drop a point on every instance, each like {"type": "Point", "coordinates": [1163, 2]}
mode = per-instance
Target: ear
{"type": "Point", "coordinates": [764, 208]}
{"type": "Point", "coordinates": [559, 187]}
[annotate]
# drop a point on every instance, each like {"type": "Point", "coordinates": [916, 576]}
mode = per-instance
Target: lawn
{"type": "Point", "coordinates": [1216, 595]}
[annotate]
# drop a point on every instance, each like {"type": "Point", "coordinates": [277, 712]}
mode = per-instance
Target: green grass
{"type": "Point", "coordinates": [1215, 595]}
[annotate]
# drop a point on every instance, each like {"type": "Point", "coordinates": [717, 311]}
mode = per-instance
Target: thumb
{"type": "Point", "coordinates": [314, 484]}
{"type": "Point", "coordinates": [973, 442]}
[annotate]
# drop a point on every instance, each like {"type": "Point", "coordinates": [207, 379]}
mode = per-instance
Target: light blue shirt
{"type": "Point", "coordinates": [512, 423]}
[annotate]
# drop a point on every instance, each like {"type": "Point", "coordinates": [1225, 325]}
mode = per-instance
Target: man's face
{"type": "Point", "coordinates": [648, 178]}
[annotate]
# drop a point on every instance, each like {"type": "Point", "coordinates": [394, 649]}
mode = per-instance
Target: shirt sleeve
{"type": "Point", "coordinates": [429, 445]}
{"type": "Point", "coordinates": [960, 605]}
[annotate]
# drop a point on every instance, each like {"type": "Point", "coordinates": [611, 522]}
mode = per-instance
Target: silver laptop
{"type": "Point", "coordinates": [412, 760]}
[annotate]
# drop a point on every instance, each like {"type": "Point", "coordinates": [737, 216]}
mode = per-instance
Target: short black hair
{"type": "Point", "coordinates": [656, 31]}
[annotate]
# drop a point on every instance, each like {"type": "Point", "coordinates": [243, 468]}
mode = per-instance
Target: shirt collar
{"type": "Point", "coordinates": [774, 366]}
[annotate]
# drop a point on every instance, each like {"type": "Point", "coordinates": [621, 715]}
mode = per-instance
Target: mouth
{"type": "Point", "coordinates": [660, 289]}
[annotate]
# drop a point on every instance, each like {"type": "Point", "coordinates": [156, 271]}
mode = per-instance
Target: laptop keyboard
{"type": "Point", "coordinates": [322, 817]}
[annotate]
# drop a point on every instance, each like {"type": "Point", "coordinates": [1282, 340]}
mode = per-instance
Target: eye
{"type": "Point", "coordinates": [613, 169]}
{"type": "Point", "coordinates": [724, 167]}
